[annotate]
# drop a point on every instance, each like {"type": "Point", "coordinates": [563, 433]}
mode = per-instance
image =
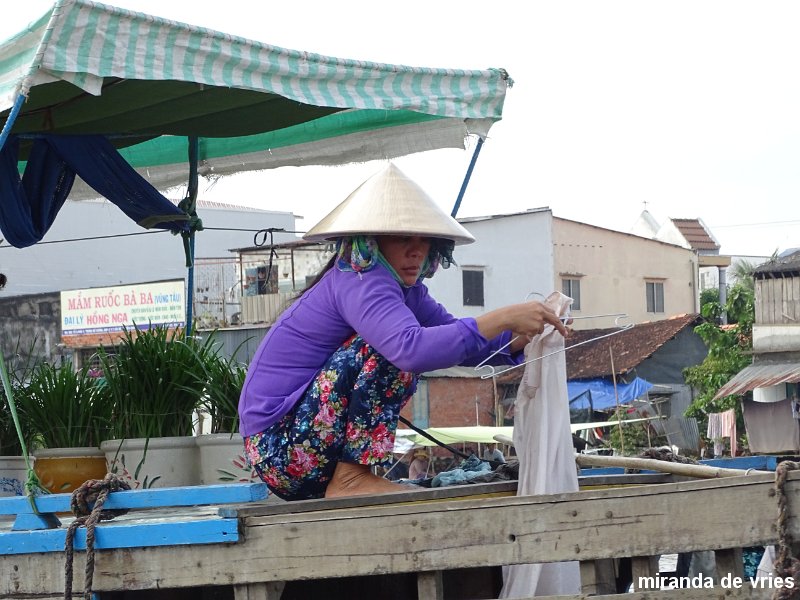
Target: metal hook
{"type": "Point", "coordinates": [483, 365]}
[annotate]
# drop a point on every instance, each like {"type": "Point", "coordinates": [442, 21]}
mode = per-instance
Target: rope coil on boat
{"type": "Point", "coordinates": [92, 491]}
{"type": "Point", "coordinates": [786, 564]}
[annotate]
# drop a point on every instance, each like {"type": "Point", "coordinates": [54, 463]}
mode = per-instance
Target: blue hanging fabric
{"type": "Point", "coordinates": [29, 204]}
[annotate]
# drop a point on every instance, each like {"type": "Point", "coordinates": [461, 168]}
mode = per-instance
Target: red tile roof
{"type": "Point", "coordinates": [630, 348]}
{"type": "Point", "coordinates": [696, 234]}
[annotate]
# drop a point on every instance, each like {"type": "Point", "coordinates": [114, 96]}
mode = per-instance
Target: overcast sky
{"type": "Point", "coordinates": [692, 107]}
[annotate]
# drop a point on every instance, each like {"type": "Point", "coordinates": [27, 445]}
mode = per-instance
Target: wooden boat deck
{"type": "Point", "coordinates": [425, 537]}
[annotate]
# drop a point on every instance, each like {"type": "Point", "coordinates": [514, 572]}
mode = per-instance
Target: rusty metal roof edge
{"type": "Point", "coordinates": [760, 375]}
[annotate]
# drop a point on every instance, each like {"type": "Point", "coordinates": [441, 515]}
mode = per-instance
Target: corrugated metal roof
{"type": "Point", "coordinates": [696, 234]}
{"type": "Point", "coordinates": [760, 375]}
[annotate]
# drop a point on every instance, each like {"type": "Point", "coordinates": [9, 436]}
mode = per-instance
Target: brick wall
{"type": "Point", "coordinates": [452, 401]}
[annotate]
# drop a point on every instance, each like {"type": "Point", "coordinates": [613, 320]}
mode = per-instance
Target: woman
{"type": "Point", "coordinates": [418, 469]}
{"type": "Point", "coordinates": [325, 388]}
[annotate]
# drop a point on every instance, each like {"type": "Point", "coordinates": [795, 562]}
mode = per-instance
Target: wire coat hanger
{"type": "Point", "coordinates": [493, 373]}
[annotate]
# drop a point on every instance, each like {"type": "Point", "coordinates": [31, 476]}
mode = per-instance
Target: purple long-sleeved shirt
{"type": "Point", "coordinates": [406, 325]}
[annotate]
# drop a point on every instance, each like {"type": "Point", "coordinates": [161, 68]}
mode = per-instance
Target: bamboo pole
{"type": "Point", "coordinates": [616, 398]}
{"type": "Point", "coordinates": [630, 462]}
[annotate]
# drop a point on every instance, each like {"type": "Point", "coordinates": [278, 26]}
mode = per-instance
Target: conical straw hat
{"type": "Point", "coordinates": [389, 203]}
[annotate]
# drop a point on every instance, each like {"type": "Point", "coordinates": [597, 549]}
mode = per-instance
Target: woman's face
{"type": "Point", "coordinates": [405, 253]}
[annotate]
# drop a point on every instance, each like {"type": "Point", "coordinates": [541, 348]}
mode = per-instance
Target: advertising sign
{"type": "Point", "coordinates": [105, 310]}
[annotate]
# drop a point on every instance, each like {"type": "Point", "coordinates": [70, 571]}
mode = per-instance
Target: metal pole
{"type": "Point", "coordinates": [194, 150]}
{"type": "Point", "coordinates": [467, 177]}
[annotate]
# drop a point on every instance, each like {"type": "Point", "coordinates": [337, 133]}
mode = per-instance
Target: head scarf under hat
{"type": "Point", "coordinates": [360, 253]}
{"type": "Point", "coordinates": [389, 203]}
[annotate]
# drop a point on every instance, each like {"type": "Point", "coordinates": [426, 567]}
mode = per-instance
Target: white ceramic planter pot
{"type": "Point", "coordinates": [12, 475]}
{"type": "Point", "coordinates": [154, 463]}
{"type": "Point", "coordinates": [222, 459]}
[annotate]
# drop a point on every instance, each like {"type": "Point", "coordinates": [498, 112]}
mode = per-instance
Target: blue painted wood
{"type": "Point", "coordinates": [153, 498]}
{"type": "Point", "coordinates": [130, 535]}
{"type": "Point", "coordinates": [50, 503]}
{"type": "Point", "coordinates": [42, 533]}
{"type": "Point", "coordinates": [760, 463]}
{"type": "Point", "coordinates": [603, 471]}
{"type": "Point", "coordinates": [32, 521]}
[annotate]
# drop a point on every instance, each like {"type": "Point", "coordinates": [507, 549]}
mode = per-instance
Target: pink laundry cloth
{"type": "Point", "coordinates": [722, 425]}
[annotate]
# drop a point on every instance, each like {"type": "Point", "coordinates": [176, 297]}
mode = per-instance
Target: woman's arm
{"type": "Point", "coordinates": [525, 320]}
{"type": "Point", "coordinates": [423, 336]}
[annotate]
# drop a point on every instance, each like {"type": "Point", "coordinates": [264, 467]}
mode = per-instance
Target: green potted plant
{"type": "Point", "coordinates": [222, 450]}
{"type": "Point", "coordinates": [221, 399]}
{"type": "Point", "coordinates": [68, 414]}
{"type": "Point", "coordinates": [156, 379]}
{"type": "Point", "coordinates": [12, 464]}
{"type": "Point", "coordinates": [13, 467]}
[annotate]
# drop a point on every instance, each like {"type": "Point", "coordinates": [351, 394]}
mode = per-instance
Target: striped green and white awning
{"type": "Point", "coordinates": [89, 68]}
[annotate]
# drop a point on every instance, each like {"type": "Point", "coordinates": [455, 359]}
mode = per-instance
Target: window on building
{"type": "Point", "coordinates": [90, 358]}
{"type": "Point", "coordinates": [655, 296]}
{"type": "Point", "coordinates": [473, 287]}
{"type": "Point", "coordinates": [572, 288]}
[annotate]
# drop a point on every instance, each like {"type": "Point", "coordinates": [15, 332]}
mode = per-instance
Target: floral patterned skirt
{"type": "Point", "coordinates": [349, 413]}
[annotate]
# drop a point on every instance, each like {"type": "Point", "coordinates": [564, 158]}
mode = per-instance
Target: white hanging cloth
{"type": "Point", "coordinates": [543, 442]}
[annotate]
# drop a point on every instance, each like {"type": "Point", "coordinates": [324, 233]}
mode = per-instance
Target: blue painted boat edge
{"type": "Point", "coordinates": [197, 495]}
{"type": "Point", "coordinates": [138, 535]}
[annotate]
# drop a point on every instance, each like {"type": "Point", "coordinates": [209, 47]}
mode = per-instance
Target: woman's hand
{"type": "Point", "coordinates": [526, 320]}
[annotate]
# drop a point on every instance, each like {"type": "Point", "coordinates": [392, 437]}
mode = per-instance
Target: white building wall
{"type": "Point", "coordinates": [515, 253]}
{"type": "Point", "coordinates": [613, 268]}
{"type": "Point", "coordinates": [121, 260]}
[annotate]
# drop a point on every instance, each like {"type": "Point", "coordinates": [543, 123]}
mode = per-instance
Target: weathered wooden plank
{"type": "Point", "coordinates": [598, 576]}
{"type": "Point", "coordinates": [786, 300]}
{"type": "Point", "coordinates": [643, 566]}
{"type": "Point", "coordinates": [393, 504]}
{"type": "Point", "coordinates": [767, 299]}
{"type": "Point", "coordinates": [590, 525]}
{"type": "Point", "coordinates": [729, 562]}
{"type": "Point", "coordinates": [618, 480]}
{"type": "Point", "coordinates": [259, 591]}
{"type": "Point", "coordinates": [775, 297]}
{"type": "Point", "coordinates": [470, 491]}
{"type": "Point", "coordinates": [503, 488]}
{"type": "Point", "coordinates": [429, 585]}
